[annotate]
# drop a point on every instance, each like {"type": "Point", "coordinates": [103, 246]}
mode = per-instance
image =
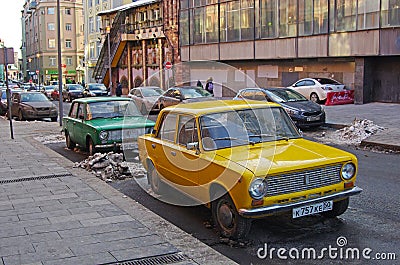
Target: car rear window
{"type": "Point", "coordinates": [327, 81]}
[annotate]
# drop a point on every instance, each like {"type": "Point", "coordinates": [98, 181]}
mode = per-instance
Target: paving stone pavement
{"type": "Point", "coordinates": [52, 213]}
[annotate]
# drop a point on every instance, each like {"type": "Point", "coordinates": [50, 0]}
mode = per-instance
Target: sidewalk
{"type": "Point", "coordinates": [382, 114]}
{"type": "Point", "coordinates": [52, 213]}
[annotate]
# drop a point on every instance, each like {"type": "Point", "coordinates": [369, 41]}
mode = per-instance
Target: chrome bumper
{"type": "Point", "coordinates": [278, 208]}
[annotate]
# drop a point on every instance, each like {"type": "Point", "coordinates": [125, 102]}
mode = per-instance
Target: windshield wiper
{"type": "Point", "coordinates": [234, 139]}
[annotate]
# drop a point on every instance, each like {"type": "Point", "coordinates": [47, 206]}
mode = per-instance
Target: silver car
{"type": "Point", "coordinates": [146, 98]}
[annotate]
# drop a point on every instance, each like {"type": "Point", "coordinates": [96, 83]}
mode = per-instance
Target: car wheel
{"type": "Point", "coordinates": [339, 208]}
{"type": "Point", "coordinates": [314, 97]}
{"type": "Point", "coordinates": [154, 180]}
{"type": "Point", "coordinates": [227, 219]}
{"type": "Point", "coordinates": [90, 147]}
{"type": "Point", "coordinates": [20, 115]}
{"type": "Point", "coordinates": [53, 119]}
{"type": "Point", "coordinates": [69, 142]}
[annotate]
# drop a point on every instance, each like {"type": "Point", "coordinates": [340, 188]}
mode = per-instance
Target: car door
{"type": "Point", "coordinates": [80, 128]}
{"type": "Point", "coordinates": [300, 87]}
{"type": "Point", "coordinates": [15, 104]}
{"type": "Point", "coordinates": [173, 97]}
{"type": "Point", "coordinates": [71, 120]}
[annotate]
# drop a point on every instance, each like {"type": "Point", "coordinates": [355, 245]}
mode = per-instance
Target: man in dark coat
{"type": "Point", "coordinates": [118, 90]}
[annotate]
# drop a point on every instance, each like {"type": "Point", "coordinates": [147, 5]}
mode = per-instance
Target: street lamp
{"type": "Point", "coordinates": [108, 29]}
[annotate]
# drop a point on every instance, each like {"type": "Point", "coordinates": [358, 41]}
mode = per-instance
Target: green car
{"type": "Point", "coordinates": [101, 123]}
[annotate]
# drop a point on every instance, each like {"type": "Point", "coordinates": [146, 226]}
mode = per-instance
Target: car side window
{"type": "Point", "coordinates": [74, 110]}
{"type": "Point", "coordinates": [137, 93]}
{"type": "Point", "coordinates": [168, 128]}
{"type": "Point", "coordinates": [81, 113]}
{"type": "Point", "coordinates": [187, 130]}
{"type": "Point", "coordinates": [310, 83]}
{"type": "Point", "coordinates": [300, 83]}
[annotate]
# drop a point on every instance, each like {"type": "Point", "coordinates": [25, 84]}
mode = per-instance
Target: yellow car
{"type": "Point", "coordinates": [245, 160]}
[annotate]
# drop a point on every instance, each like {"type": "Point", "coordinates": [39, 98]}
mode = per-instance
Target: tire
{"type": "Point", "coordinates": [53, 119]}
{"type": "Point", "coordinates": [339, 208]}
{"type": "Point", "coordinates": [154, 180]}
{"type": "Point", "coordinates": [314, 97]}
{"type": "Point", "coordinates": [227, 219]}
{"type": "Point", "coordinates": [20, 115]}
{"type": "Point", "coordinates": [90, 147]}
{"type": "Point", "coordinates": [70, 144]}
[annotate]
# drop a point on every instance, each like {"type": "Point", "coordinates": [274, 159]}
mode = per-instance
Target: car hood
{"type": "Point", "coordinates": [38, 104]}
{"type": "Point", "coordinates": [118, 123]}
{"type": "Point", "coordinates": [283, 156]}
{"type": "Point", "coordinates": [303, 106]}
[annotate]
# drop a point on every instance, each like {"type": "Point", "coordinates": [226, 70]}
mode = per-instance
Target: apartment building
{"type": "Point", "coordinates": [95, 31]}
{"type": "Point", "coordinates": [277, 42]}
{"type": "Point", "coordinates": [39, 45]}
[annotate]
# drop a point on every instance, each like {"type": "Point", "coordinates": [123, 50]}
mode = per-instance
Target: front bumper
{"type": "Point", "coordinates": [279, 208]}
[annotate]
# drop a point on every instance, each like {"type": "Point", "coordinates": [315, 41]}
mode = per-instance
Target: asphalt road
{"type": "Point", "coordinates": [372, 221]}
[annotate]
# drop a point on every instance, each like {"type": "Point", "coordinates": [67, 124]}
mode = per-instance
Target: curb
{"type": "Point", "coordinates": [381, 146]}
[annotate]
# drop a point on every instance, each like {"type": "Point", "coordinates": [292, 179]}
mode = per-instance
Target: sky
{"type": "Point", "coordinates": [10, 23]}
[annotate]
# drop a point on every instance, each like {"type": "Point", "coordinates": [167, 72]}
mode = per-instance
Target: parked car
{"type": "Point", "coordinates": [55, 94]}
{"type": "Point", "coordinates": [32, 105]}
{"type": "Point", "coordinates": [316, 89]}
{"type": "Point", "coordinates": [95, 90]}
{"type": "Point", "coordinates": [245, 160]}
{"type": "Point", "coordinates": [72, 91]}
{"type": "Point", "coordinates": [176, 95]}
{"type": "Point", "coordinates": [146, 98]}
{"type": "Point", "coordinates": [303, 112]}
{"type": "Point", "coordinates": [47, 90]}
{"type": "Point", "coordinates": [3, 102]}
{"type": "Point", "coordinates": [101, 123]}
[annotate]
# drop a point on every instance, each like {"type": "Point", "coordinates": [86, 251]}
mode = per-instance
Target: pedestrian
{"type": "Point", "coordinates": [210, 85]}
{"type": "Point", "coordinates": [199, 84]}
{"type": "Point", "coordinates": [118, 90]}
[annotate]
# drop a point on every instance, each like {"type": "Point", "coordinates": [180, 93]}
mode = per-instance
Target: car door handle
{"type": "Point", "coordinates": [74, 123]}
{"type": "Point", "coordinates": [153, 146]}
{"type": "Point", "coordinates": [173, 153]}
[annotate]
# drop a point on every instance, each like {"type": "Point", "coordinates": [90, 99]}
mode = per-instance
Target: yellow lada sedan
{"type": "Point", "coordinates": [245, 160]}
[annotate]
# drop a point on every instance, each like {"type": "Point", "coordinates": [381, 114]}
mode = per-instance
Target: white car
{"type": "Point", "coordinates": [316, 89]}
{"type": "Point", "coordinates": [146, 98]}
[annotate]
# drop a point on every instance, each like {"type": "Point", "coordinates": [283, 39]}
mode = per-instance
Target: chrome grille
{"type": "Point", "coordinates": [125, 133]}
{"type": "Point", "coordinates": [303, 180]}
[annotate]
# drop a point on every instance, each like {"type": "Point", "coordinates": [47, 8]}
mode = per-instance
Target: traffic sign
{"type": "Point", "coordinates": [168, 65]}
{"type": "Point", "coordinates": [64, 66]}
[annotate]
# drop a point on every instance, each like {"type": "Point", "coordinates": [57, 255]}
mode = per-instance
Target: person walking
{"type": "Point", "coordinates": [118, 90]}
{"type": "Point", "coordinates": [210, 85]}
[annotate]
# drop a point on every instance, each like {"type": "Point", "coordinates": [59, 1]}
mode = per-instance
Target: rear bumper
{"type": "Point", "coordinates": [278, 208]}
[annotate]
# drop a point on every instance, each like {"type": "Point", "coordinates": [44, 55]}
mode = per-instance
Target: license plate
{"type": "Point", "coordinates": [312, 209]}
{"type": "Point", "coordinates": [316, 118]}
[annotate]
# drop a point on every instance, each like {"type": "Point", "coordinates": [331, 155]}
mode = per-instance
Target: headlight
{"type": "Point", "coordinates": [291, 111]}
{"type": "Point", "coordinates": [103, 135]}
{"type": "Point", "coordinates": [348, 171]}
{"type": "Point", "coordinates": [258, 188]}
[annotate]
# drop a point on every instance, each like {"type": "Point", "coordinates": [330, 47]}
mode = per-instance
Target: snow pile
{"type": "Point", "coordinates": [50, 139]}
{"type": "Point", "coordinates": [358, 131]}
{"type": "Point", "coordinates": [110, 166]}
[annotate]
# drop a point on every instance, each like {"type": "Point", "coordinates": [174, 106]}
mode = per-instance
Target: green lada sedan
{"type": "Point", "coordinates": [103, 123]}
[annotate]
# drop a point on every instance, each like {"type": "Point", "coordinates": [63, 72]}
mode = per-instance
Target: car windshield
{"type": "Point", "coordinates": [194, 92]}
{"type": "Point", "coordinates": [33, 97]}
{"type": "Point", "coordinates": [112, 109]}
{"type": "Point", "coordinates": [97, 87]}
{"type": "Point", "coordinates": [327, 81]}
{"type": "Point", "coordinates": [242, 127]}
{"type": "Point", "coordinates": [285, 95]}
{"type": "Point", "coordinates": [75, 88]}
{"type": "Point", "coordinates": [151, 92]}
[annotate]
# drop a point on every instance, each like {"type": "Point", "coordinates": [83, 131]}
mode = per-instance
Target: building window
{"type": "Point", "coordinates": [52, 43]}
{"type": "Point", "coordinates": [287, 18]}
{"type": "Point", "coordinates": [97, 2]}
{"type": "Point", "coordinates": [269, 20]}
{"type": "Point", "coordinates": [184, 27]}
{"type": "Point", "coordinates": [91, 51]}
{"type": "Point", "coordinates": [346, 13]}
{"type": "Point", "coordinates": [68, 27]}
{"type": "Point", "coordinates": [68, 11]}
{"type": "Point", "coordinates": [367, 14]}
{"type": "Point", "coordinates": [68, 44]}
{"type": "Point", "coordinates": [98, 24]}
{"type": "Point", "coordinates": [233, 21]}
{"type": "Point", "coordinates": [390, 13]}
{"type": "Point", "coordinates": [50, 11]}
{"type": "Point", "coordinates": [50, 26]}
{"type": "Point", "coordinates": [320, 16]}
{"type": "Point", "coordinates": [52, 61]}
{"type": "Point", "coordinates": [90, 3]}
{"type": "Point", "coordinates": [68, 60]}
{"type": "Point", "coordinates": [237, 20]}
{"type": "Point", "coordinates": [98, 48]}
{"type": "Point", "coordinates": [91, 24]}
{"type": "Point", "coordinates": [246, 19]}
{"type": "Point", "coordinates": [305, 17]}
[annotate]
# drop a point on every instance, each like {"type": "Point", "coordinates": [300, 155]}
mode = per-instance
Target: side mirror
{"type": "Point", "coordinates": [193, 146]}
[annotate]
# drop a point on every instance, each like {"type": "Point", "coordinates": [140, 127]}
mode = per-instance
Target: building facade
{"type": "Point", "coordinates": [142, 37]}
{"type": "Point", "coordinates": [39, 45]}
{"type": "Point", "coordinates": [277, 42]}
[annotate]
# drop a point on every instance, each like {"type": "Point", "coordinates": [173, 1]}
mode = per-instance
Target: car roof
{"type": "Point", "coordinates": [100, 99]}
{"type": "Point", "coordinates": [213, 106]}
